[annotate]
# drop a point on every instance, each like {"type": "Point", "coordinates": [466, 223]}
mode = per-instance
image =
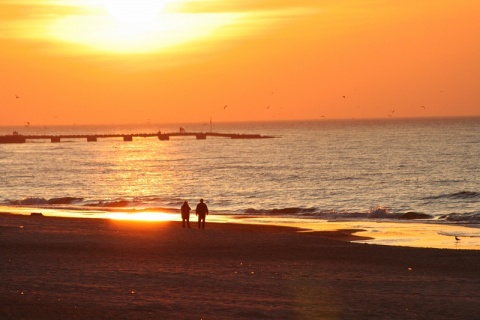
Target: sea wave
{"type": "Point", "coordinates": [32, 201]}
{"type": "Point", "coordinates": [473, 217]}
{"type": "Point", "coordinates": [374, 213]}
{"type": "Point", "coordinates": [283, 211]}
{"type": "Point", "coordinates": [113, 204]}
{"type": "Point", "coordinates": [74, 203]}
{"type": "Point", "coordinates": [462, 195]}
{"type": "Point", "coordinates": [171, 205]}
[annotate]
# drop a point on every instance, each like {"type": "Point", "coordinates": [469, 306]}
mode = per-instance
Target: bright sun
{"type": "Point", "coordinates": [139, 26]}
{"type": "Point", "coordinates": [134, 12]}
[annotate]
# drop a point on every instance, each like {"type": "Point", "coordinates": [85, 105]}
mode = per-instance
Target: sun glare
{"type": "Point", "coordinates": [140, 26]}
{"type": "Point", "coordinates": [134, 12]}
{"type": "Point", "coordinates": [142, 216]}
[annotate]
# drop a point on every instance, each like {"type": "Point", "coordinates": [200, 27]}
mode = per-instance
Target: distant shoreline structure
{"type": "Point", "coordinates": [15, 137]}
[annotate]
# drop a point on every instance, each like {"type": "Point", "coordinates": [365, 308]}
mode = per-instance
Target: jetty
{"type": "Point", "coordinates": [20, 138]}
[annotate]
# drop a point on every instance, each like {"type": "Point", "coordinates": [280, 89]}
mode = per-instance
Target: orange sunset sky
{"type": "Point", "coordinates": [115, 62]}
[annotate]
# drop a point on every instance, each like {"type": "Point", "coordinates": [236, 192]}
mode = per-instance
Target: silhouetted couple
{"type": "Point", "coordinates": [201, 211]}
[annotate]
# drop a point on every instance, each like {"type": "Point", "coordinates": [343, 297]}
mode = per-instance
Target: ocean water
{"type": "Point", "coordinates": [391, 169]}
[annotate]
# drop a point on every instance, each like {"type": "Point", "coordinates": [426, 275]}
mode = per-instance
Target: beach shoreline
{"type": "Point", "coordinates": [75, 268]}
{"type": "Point", "coordinates": [414, 233]}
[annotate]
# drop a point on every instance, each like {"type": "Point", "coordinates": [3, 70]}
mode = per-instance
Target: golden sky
{"type": "Point", "coordinates": [139, 61]}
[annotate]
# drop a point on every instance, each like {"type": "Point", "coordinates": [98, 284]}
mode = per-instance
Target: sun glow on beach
{"type": "Point", "coordinates": [142, 216]}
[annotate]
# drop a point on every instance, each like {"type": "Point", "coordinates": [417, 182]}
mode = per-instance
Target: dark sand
{"type": "Point", "coordinates": [62, 268]}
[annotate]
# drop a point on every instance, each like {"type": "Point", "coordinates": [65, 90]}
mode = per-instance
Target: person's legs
{"type": "Point", "coordinates": [201, 221]}
{"type": "Point", "coordinates": [188, 222]}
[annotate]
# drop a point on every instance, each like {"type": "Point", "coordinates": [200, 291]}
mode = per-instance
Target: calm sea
{"type": "Point", "coordinates": [389, 169]}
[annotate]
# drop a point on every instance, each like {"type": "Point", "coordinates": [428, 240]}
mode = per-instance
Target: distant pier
{"type": "Point", "coordinates": [19, 138]}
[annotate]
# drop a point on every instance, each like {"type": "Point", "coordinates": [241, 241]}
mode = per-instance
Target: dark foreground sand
{"type": "Point", "coordinates": [60, 268]}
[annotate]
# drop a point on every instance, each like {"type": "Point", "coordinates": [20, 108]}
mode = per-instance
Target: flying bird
{"type": "Point", "coordinates": [422, 107]}
{"type": "Point", "coordinates": [16, 96]}
{"type": "Point", "coordinates": [225, 107]}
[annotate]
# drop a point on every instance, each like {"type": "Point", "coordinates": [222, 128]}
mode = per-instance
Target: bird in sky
{"type": "Point", "coordinates": [422, 107]}
{"type": "Point", "coordinates": [16, 96]}
{"type": "Point", "coordinates": [225, 106]}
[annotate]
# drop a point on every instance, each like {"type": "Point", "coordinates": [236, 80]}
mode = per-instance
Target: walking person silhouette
{"type": "Point", "coordinates": [185, 210]}
{"type": "Point", "coordinates": [201, 211]}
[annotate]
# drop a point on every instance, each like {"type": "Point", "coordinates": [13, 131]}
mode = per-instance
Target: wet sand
{"type": "Point", "coordinates": [73, 268]}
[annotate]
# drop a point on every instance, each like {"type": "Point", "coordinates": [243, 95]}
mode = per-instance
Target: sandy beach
{"type": "Point", "coordinates": [73, 268]}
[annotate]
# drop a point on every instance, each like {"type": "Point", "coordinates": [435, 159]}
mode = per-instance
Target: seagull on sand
{"type": "Point", "coordinates": [457, 238]}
